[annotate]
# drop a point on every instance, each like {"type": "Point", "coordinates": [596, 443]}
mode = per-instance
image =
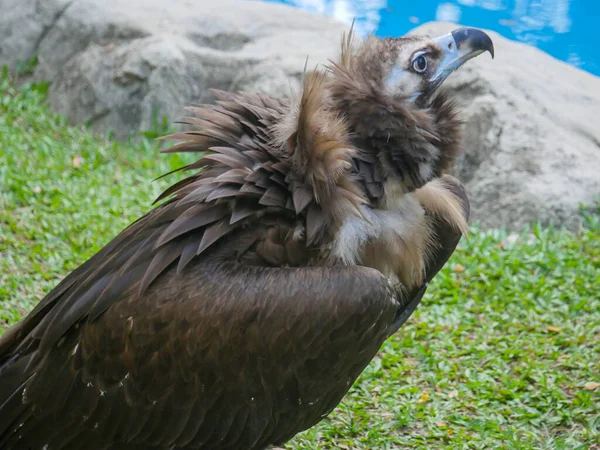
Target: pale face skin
{"type": "Point", "coordinates": [423, 63]}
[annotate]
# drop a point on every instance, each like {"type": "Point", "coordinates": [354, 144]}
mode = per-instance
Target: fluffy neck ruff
{"type": "Point", "coordinates": [346, 130]}
{"type": "Point", "coordinates": [353, 144]}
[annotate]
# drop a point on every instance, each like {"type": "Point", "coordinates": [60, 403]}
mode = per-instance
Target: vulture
{"type": "Point", "coordinates": [240, 310]}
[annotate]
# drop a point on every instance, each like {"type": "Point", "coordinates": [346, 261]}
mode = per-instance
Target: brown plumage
{"type": "Point", "coordinates": [240, 310]}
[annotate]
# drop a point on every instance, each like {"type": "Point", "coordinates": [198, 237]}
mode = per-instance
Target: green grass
{"type": "Point", "coordinates": [497, 356]}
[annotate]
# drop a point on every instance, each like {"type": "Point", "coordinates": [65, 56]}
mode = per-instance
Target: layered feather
{"type": "Point", "coordinates": [326, 178]}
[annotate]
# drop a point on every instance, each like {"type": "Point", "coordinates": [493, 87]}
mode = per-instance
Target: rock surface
{"type": "Point", "coordinates": [115, 64]}
{"type": "Point", "coordinates": [532, 135]}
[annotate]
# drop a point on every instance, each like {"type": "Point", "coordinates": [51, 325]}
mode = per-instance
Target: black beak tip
{"type": "Point", "coordinates": [476, 39]}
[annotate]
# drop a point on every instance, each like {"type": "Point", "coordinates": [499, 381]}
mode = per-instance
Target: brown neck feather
{"type": "Point", "coordinates": [402, 136]}
{"type": "Point", "coordinates": [392, 132]}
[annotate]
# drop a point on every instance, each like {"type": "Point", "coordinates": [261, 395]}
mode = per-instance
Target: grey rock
{"type": "Point", "coordinates": [117, 64]}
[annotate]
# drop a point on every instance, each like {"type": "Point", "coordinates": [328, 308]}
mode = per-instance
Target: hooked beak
{"type": "Point", "coordinates": [458, 47]}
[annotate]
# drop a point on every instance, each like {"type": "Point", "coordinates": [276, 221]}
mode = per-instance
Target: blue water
{"type": "Point", "coordinates": [567, 29]}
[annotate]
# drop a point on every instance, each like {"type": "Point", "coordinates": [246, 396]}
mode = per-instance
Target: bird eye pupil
{"type": "Point", "coordinates": [420, 64]}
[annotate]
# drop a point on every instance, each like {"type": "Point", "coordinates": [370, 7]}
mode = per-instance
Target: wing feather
{"type": "Point", "coordinates": [217, 349]}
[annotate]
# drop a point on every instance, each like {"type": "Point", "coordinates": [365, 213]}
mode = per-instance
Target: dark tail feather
{"type": "Point", "coordinates": [11, 411]}
{"type": "Point", "coordinates": [12, 385]}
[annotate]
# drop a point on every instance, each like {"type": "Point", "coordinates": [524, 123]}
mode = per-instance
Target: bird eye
{"type": "Point", "coordinates": [420, 64]}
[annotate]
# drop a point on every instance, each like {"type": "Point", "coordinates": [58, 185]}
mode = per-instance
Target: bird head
{"type": "Point", "coordinates": [388, 91]}
{"type": "Point", "coordinates": [419, 65]}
